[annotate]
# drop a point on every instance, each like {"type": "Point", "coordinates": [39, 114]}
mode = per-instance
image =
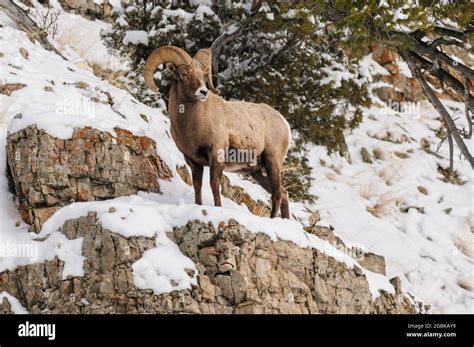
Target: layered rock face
{"type": "Point", "coordinates": [232, 192]}
{"type": "Point", "coordinates": [403, 88]}
{"type": "Point", "coordinates": [240, 196]}
{"type": "Point", "coordinates": [49, 173]}
{"type": "Point", "coordinates": [408, 89]}
{"type": "Point", "coordinates": [239, 272]}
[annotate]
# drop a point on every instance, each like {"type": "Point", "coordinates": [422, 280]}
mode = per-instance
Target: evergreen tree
{"type": "Point", "coordinates": [142, 25]}
{"type": "Point", "coordinates": [421, 32]}
{"type": "Point", "coordinates": [278, 53]}
{"type": "Point", "coordinates": [287, 60]}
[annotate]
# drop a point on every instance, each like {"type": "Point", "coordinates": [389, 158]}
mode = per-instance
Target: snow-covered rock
{"type": "Point", "coordinates": [49, 173]}
{"type": "Point", "coordinates": [150, 258]}
{"type": "Point", "coordinates": [195, 268]}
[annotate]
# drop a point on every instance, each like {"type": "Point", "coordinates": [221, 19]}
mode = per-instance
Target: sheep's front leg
{"type": "Point", "coordinates": [196, 171]}
{"type": "Point", "coordinates": [216, 168]}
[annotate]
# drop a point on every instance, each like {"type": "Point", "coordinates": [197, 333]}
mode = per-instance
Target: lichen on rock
{"type": "Point", "coordinates": [238, 272]}
{"type": "Point", "coordinates": [49, 173]}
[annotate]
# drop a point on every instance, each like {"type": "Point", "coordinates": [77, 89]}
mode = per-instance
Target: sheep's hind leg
{"type": "Point", "coordinates": [197, 171]}
{"type": "Point", "coordinates": [285, 204]}
{"type": "Point", "coordinates": [262, 180]}
{"type": "Point", "coordinates": [274, 178]}
{"type": "Point", "coordinates": [265, 183]}
{"type": "Point", "coordinates": [216, 168]}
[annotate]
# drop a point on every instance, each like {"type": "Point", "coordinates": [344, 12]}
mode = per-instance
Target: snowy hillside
{"type": "Point", "coordinates": [399, 205]}
{"type": "Point", "coordinates": [49, 100]}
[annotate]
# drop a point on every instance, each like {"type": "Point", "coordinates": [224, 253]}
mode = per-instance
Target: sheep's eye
{"type": "Point", "coordinates": [183, 75]}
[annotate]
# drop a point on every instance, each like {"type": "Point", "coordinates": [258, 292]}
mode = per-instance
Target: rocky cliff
{"type": "Point", "coordinates": [238, 272]}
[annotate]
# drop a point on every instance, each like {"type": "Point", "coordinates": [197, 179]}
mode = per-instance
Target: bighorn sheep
{"type": "Point", "coordinates": [204, 126]}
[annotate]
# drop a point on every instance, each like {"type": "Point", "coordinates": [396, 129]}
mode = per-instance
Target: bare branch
{"type": "Point", "coordinates": [19, 16]}
{"type": "Point", "coordinates": [442, 75]}
{"type": "Point", "coordinates": [429, 93]}
{"type": "Point", "coordinates": [467, 96]}
{"type": "Point", "coordinates": [445, 41]}
{"type": "Point", "coordinates": [225, 37]}
{"type": "Point", "coordinates": [221, 41]}
{"type": "Point", "coordinates": [434, 54]}
{"type": "Point", "coordinates": [460, 35]}
{"type": "Point", "coordinates": [451, 152]}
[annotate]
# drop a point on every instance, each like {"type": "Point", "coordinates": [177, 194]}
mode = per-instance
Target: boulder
{"type": "Point", "coordinates": [48, 173]}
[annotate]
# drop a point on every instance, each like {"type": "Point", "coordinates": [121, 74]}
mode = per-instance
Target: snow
{"type": "Point", "coordinates": [122, 21]}
{"type": "Point", "coordinates": [338, 72]}
{"type": "Point", "coordinates": [70, 251]}
{"type": "Point", "coordinates": [80, 38]}
{"type": "Point", "coordinates": [202, 11]}
{"type": "Point", "coordinates": [432, 252]}
{"type": "Point", "coordinates": [404, 69]}
{"type": "Point", "coordinates": [163, 269]}
{"type": "Point", "coordinates": [146, 214]}
{"type": "Point", "coordinates": [136, 37]}
{"type": "Point", "coordinates": [16, 306]}
{"type": "Point", "coordinates": [130, 9]}
{"type": "Point", "coordinates": [196, 3]}
{"type": "Point", "coordinates": [264, 7]}
{"type": "Point", "coordinates": [369, 67]}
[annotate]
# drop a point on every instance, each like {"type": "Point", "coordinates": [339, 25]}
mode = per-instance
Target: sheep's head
{"type": "Point", "coordinates": [190, 73]}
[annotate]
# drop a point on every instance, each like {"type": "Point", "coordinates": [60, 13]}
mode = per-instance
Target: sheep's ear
{"type": "Point", "coordinates": [172, 68]}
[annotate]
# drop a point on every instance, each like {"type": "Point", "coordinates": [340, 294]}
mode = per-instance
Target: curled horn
{"type": "Point", "coordinates": [165, 54]}
{"type": "Point", "coordinates": [204, 56]}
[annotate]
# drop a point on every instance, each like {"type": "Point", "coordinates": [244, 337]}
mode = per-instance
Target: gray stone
{"type": "Point", "coordinates": [261, 276]}
{"type": "Point", "coordinates": [91, 165]}
{"type": "Point", "coordinates": [373, 262]}
{"type": "Point", "coordinates": [365, 155]}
